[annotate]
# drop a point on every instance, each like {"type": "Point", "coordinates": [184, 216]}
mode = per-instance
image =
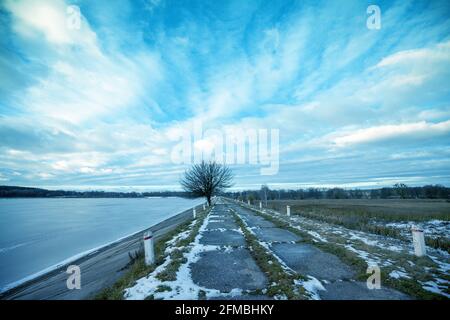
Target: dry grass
{"type": "Point", "coordinates": [385, 209]}
{"type": "Point", "coordinates": [360, 214]}
{"type": "Point", "coordinates": [335, 247]}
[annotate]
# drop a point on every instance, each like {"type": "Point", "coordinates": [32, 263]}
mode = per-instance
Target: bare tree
{"type": "Point", "coordinates": [207, 179]}
{"type": "Point", "coordinates": [402, 190]}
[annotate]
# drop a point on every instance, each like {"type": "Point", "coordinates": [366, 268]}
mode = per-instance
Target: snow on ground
{"type": "Point", "coordinates": [238, 230]}
{"type": "Point", "coordinates": [218, 229]}
{"type": "Point", "coordinates": [370, 259]}
{"type": "Point", "coordinates": [397, 274]}
{"type": "Point", "coordinates": [432, 228]}
{"type": "Point", "coordinates": [379, 241]}
{"type": "Point", "coordinates": [181, 236]}
{"type": "Point", "coordinates": [183, 288]}
{"type": "Point", "coordinates": [354, 236]}
{"type": "Point", "coordinates": [317, 236]}
{"type": "Point", "coordinates": [434, 287]}
{"type": "Point", "coordinates": [312, 286]}
{"type": "Point", "coordinates": [324, 232]}
{"type": "Point", "coordinates": [266, 245]}
{"type": "Point", "coordinates": [442, 266]}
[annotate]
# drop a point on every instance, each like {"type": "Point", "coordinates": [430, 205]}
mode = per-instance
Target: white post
{"type": "Point", "coordinates": [288, 211]}
{"type": "Point", "coordinates": [148, 248]}
{"type": "Point", "coordinates": [260, 204]}
{"type": "Point", "coordinates": [204, 207]}
{"type": "Point", "coordinates": [248, 201]}
{"type": "Point", "coordinates": [194, 213]}
{"type": "Point", "coordinates": [419, 242]}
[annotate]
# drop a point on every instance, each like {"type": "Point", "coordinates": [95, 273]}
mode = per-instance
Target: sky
{"type": "Point", "coordinates": [105, 103]}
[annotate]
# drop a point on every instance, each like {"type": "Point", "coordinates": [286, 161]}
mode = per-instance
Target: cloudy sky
{"type": "Point", "coordinates": [102, 106]}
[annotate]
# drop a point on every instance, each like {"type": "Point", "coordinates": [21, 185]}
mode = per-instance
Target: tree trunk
{"type": "Point", "coordinates": [208, 198]}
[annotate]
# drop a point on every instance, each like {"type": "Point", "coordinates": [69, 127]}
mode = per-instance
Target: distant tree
{"type": "Point", "coordinates": [374, 194]}
{"type": "Point", "coordinates": [401, 189]}
{"type": "Point", "coordinates": [336, 193]}
{"type": "Point", "coordinates": [263, 193]}
{"type": "Point", "coordinates": [435, 191]}
{"type": "Point", "coordinates": [207, 179]}
{"type": "Point", "coordinates": [313, 193]}
{"type": "Point", "coordinates": [428, 191]}
{"type": "Point", "coordinates": [357, 194]}
{"type": "Point", "coordinates": [385, 193]}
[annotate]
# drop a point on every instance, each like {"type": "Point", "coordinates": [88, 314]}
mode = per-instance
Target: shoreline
{"type": "Point", "coordinates": [68, 261]}
{"type": "Point", "coordinates": [104, 263]}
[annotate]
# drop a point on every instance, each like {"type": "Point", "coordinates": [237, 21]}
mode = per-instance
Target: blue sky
{"type": "Point", "coordinates": [98, 107]}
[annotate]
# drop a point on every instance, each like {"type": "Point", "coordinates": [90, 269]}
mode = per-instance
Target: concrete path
{"type": "Point", "coordinates": [306, 259]}
{"type": "Point", "coordinates": [231, 266]}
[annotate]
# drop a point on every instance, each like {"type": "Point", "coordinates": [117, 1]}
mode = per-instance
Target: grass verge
{"type": "Point", "coordinates": [409, 286]}
{"type": "Point", "coordinates": [362, 220]}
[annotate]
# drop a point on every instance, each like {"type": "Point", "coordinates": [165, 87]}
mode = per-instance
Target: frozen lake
{"type": "Point", "coordinates": [36, 234]}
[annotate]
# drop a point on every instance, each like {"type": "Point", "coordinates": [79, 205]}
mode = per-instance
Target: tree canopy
{"type": "Point", "coordinates": [207, 179]}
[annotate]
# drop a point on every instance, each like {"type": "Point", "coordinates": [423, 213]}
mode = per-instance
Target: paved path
{"type": "Point", "coordinates": [231, 266]}
{"type": "Point", "coordinates": [306, 259]}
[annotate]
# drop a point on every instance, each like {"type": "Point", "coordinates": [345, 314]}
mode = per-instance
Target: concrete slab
{"type": "Point", "coordinates": [223, 238]}
{"type": "Point", "coordinates": [221, 217]}
{"type": "Point", "coordinates": [352, 290]}
{"type": "Point", "coordinates": [225, 271]}
{"type": "Point", "coordinates": [251, 218]}
{"type": "Point", "coordinates": [309, 260]}
{"type": "Point", "coordinates": [225, 224]}
{"type": "Point", "coordinates": [276, 235]}
{"type": "Point", "coordinates": [255, 221]}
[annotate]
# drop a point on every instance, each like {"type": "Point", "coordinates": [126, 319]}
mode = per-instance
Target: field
{"type": "Point", "coordinates": [386, 209]}
{"type": "Point", "coordinates": [392, 218]}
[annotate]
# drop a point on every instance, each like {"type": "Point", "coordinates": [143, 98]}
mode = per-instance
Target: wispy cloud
{"type": "Point", "coordinates": [99, 105]}
{"type": "Point", "coordinates": [414, 131]}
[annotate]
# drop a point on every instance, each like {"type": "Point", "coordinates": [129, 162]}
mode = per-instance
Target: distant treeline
{"type": "Point", "coordinates": [398, 191]}
{"type": "Point", "coordinates": [24, 192]}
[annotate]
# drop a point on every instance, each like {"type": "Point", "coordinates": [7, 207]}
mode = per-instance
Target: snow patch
{"type": "Point", "coordinates": [435, 288]}
{"type": "Point", "coordinates": [316, 235]}
{"type": "Point", "coordinates": [397, 274]}
{"type": "Point", "coordinates": [312, 286]}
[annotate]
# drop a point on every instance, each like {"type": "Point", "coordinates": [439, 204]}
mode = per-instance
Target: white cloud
{"type": "Point", "coordinates": [385, 132]}
{"type": "Point", "coordinates": [49, 18]}
{"type": "Point", "coordinates": [97, 88]}
{"type": "Point", "coordinates": [44, 175]}
{"type": "Point", "coordinates": [82, 82]}
{"type": "Point", "coordinates": [89, 106]}
{"type": "Point", "coordinates": [438, 53]}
